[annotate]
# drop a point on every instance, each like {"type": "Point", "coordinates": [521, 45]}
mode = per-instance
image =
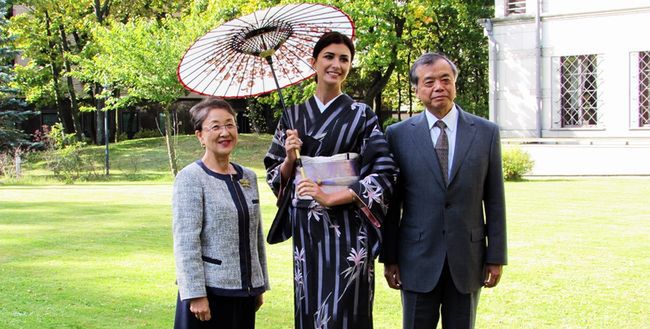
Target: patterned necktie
{"type": "Point", "coordinates": [442, 149]}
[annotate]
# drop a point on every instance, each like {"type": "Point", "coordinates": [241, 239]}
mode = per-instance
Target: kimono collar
{"type": "Point", "coordinates": [322, 107]}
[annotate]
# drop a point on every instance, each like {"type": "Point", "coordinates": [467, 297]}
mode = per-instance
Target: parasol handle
{"type": "Point", "coordinates": [284, 108]}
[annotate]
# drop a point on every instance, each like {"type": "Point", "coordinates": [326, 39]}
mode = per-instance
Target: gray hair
{"type": "Point", "coordinates": [199, 112]}
{"type": "Point", "coordinates": [430, 59]}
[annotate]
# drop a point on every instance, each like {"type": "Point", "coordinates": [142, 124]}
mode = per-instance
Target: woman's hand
{"type": "Point", "coordinates": [259, 300]}
{"type": "Point", "coordinates": [201, 308]}
{"type": "Point", "coordinates": [310, 188]}
{"type": "Point", "coordinates": [292, 144]}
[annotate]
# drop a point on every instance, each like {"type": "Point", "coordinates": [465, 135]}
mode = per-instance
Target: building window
{"type": "Point", "coordinates": [578, 82]}
{"type": "Point", "coordinates": [515, 7]}
{"type": "Point", "coordinates": [644, 89]}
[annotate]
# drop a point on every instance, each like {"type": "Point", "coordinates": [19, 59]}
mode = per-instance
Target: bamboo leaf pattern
{"type": "Point", "coordinates": [372, 190]}
{"type": "Point", "coordinates": [315, 211]}
{"type": "Point", "coordinates": [298, 278]}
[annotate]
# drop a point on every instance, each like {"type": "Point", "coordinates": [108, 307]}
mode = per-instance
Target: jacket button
{"type": "Point", "coordinates": [447, 205]}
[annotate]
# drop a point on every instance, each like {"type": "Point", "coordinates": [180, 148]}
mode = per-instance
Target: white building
{"type": "Point", "coordinates": [570, 83]}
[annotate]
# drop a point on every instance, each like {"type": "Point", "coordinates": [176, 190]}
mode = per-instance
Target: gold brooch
{"type": "Point", "coordinates": [244, 182]}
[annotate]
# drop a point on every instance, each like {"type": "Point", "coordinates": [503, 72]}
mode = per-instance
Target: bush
{"type": "Point", "coordinates": [58, 138]}
{"type": "Point", "coordinates": [516, 163]}
{"type": "Point", "coordinates": [64, 156]}
{"type": "Point", "coordinates": [8, 163]}
{"type": "Point", "coordinates": [260, 116]}
{"type": "Point", "coordinates": [389, 122]}
{"type": "Point", "coordinates": [68, 164]}
{"type": "Point", "coordinates": [147, 133]}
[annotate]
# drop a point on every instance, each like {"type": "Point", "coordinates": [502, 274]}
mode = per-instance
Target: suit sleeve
{"type": "Point", "coordinates": [495, 206]}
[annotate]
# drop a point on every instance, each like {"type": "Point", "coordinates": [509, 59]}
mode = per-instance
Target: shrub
{"type": "Point", "coordinates": [11, 162]}
{"type": "Point", "coordinates": [389, 122]}
{"type": "Point", "coordinates": [63, 156]}
{"type": "Point", "coordinates": [7, 165]}
{"type": "Point", "coordinates": [147, 133]}
{"type": "Point", "coordinates": [516, 163]}
{"type": "Point", "coordinates": [58, 138]}
{"type": "Point", "coordinates": [260, 116]}
{"type": "Point", "coordinates": [122, 137]}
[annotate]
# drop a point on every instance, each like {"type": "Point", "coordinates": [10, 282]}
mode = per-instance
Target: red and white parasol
{"type": "Point", "coordinates": [261, 52]}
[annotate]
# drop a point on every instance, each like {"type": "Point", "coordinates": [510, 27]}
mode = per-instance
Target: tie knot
{"type": "Point", "coordinates": [440, 124]}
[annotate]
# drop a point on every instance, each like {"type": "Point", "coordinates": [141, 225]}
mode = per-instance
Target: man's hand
{"type": "Point", "coordinates": [391, 273]}
{"type": "Point", "coordinates": [492, 275]}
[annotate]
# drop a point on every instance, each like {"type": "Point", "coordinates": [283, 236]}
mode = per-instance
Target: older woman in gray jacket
{"type": "Point", "coordinates": [218, 241]}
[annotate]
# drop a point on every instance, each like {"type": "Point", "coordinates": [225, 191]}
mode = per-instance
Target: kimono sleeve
{"type": "Point", "coordinates": [377, 171]}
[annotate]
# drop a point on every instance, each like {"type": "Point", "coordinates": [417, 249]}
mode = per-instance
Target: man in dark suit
{"type": "Point", "coordinates": [445, 234]}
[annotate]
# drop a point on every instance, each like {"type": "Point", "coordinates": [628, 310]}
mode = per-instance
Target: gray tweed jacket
{"type": "Point", "coordinates": [217, 231]}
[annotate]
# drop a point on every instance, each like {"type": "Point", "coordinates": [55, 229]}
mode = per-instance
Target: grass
{"type": "Point", "coordinates": [99, 255]}
{"type": "Point", "coordinates": [143, 160]}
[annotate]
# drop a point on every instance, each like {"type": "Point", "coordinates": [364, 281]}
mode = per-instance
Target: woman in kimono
{"type": "Point", "coordinates": [335, 231]}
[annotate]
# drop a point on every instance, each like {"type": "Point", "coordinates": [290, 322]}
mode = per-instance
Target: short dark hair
{"type": "Point", "coordinates": [429, 59]}
{"type": "Point", "coordinates": [199, 112]}
{"type": "Point", "coordinates": [334, 37]}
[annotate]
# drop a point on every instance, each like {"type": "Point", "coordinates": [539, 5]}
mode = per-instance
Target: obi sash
{"type": "Point", "coordinates": [333, 174]}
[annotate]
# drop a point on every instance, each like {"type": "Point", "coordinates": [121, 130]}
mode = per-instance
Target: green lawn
{"type": "Point", "coordinates": [99, 255]}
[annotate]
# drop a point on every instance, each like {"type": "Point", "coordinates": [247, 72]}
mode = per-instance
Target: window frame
{"type": "Point", "coordinates": [638, 81]}
{"type": "Point", "coordinates": [560, 95]}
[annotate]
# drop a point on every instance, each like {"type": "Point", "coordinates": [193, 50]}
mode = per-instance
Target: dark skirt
{"type": "Point", "coordinates": [227, 313]}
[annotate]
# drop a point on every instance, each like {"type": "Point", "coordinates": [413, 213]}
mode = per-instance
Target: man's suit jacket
{"type": "Point", "coordinates": [428, 221]}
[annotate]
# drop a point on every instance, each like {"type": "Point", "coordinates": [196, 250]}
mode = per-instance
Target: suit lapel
{"type": "Point", "coordinates": [424, 146]}
{"type": "Point", "coordinates": [464, 137]}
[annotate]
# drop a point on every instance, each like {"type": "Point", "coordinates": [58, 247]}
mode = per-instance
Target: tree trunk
{"type": "Point", "coordinates": [410, 90]}
{"type": "Point", "coordinates": [373, 97]}
{"type": "Point", "coordinates": [74, 105]}
{"type": "Point", "coordinates": [380, 79]}
{"type": "Point", "coordinates": [399, 96]}
{"type": "Point", "coordinates": [56, 75]}
{"type": "Point", "coordinates": [171, 149]}
{"type": "Point", "coordinates": [101, 11]}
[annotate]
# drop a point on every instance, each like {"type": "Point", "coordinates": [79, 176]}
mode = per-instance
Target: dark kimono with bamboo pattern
{"type": "Point", "coordinates": [334, 249]}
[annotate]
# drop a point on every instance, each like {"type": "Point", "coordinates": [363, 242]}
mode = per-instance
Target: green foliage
{"type": "Point", "coordinates": [66, 163]}
{"type": "Point", "coordinates": [516, 163]}
{"type": "Point", "coordinates": [389, 122]}
{"type": "Point", "coordinates": [11, 162]}
{"type": "Point", "coordinates": [265, 111]}
{"type": "Point", "coordinates": [58, 138]}
{"type": "Point", "coordinates": [64, 157]}
{"type": "Point", "coordinates": [392, 34]}
{"type": "Point", "coordinates": [146, 133]}
{"type": "Point", "coordinates": [13, 110]}
{"type": "Point", "coordinates": [260, 115]}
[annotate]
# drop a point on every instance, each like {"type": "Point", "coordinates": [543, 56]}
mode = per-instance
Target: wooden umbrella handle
{"type": "Point", "coordinates": [299, 163]}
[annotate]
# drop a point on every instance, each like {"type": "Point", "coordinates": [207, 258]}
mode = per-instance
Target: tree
{"type": "Point", "coordinates": [12, 109]}
{"type": "Point", "coordinates": [53, 36]}
{"type": "Point", "coordinates": [43, 36]}
{"type": "Point", "coordinates": [140, 58]}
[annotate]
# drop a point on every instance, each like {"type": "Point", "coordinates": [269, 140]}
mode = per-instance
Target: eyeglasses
{"type": "Point", "coordinates": [215, 128]}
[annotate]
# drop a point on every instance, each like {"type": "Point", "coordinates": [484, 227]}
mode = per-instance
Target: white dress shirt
{"type": "Point", "coordinates": [451, 120]}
